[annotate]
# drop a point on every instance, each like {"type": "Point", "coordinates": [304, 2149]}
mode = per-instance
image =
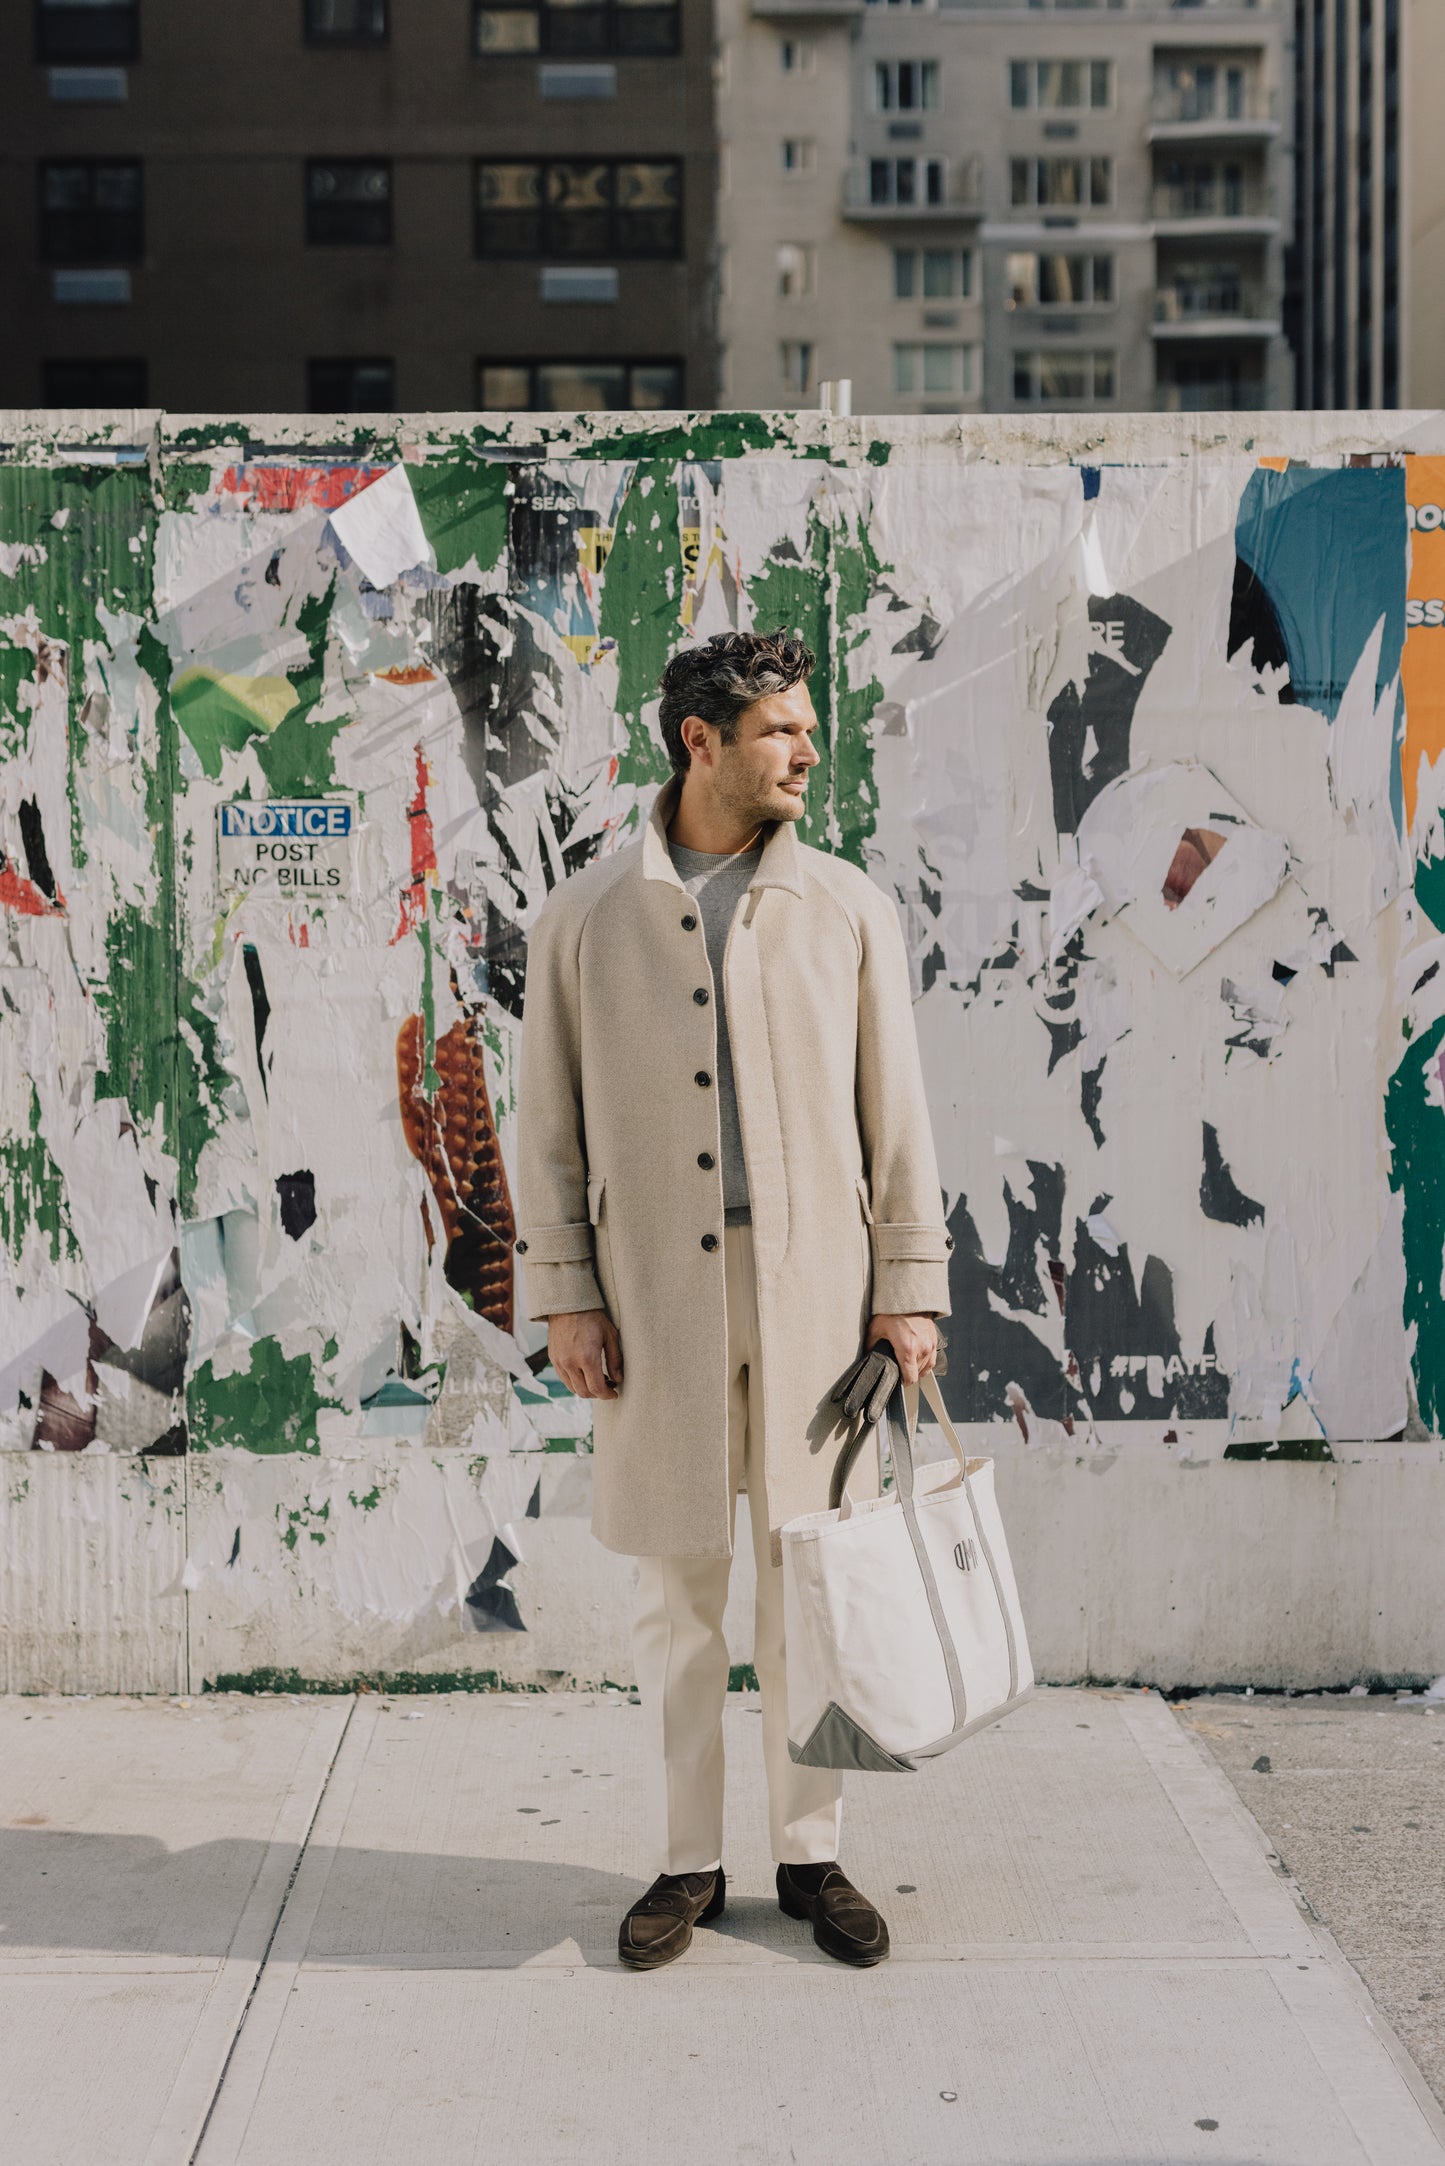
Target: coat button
{"type": "Point", "coordinates": [702, 1079]}
{"type": "Point", "coordinates": [700, 996]}
{"type": "Point", "coordinates": [706, 1160]}
{"type": "Point", "coordinates": [709, 1241]}
{"type": "Point", "coordinates": [521, 1248]}
{"type": "Point", "coordinates": [948, 1240]}
{"type": "Point", "coordinates": [689, 923]}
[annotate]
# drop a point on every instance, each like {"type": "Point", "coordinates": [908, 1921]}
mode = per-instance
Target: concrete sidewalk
{"type": "Point", "coordinates": [351, 1933]}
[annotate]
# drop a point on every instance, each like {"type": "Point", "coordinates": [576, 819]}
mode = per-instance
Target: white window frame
{"type": "Point", "coordinates": [805, 257]}
{"type": "Point", "coordinates": [1032, 102]}
{"type": "Point", "coordinates": [1088, 163]}
{"type": "Point", "coordinates": [1033, 357]}
{"type": "Point", "coordinates": [911, 366]}
{"type": "Point", "coordinates": [807, 158]}
{"type": "Point", "coordinates": [1090, 256]}
{"type": "Point", "coordinates": [889, 81]}
{"type": "Point", "coordinates": [964, 264]}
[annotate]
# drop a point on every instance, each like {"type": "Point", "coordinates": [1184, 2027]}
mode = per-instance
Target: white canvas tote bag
{"type": "Point", "coordinates": [900, 1614]}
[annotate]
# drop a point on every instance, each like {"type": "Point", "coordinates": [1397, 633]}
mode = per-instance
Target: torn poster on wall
{"type": "Point", "coordinates": [295, 744]}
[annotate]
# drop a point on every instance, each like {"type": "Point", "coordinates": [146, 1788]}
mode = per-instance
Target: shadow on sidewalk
{"type": "Point", "coordinates": [128, 1895]}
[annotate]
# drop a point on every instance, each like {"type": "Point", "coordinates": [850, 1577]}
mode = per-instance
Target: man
{"type": "Point", "coordinates": [727, 1184]}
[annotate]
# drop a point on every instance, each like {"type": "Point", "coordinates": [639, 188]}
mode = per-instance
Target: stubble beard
{"type": "Point", "coordinates": [751, 801]}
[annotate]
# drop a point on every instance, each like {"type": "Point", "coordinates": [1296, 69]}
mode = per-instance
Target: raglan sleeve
{"type": "Point", "coordinates": [554, 1237]}
{"type": "Point", "coordinates": [911, 1243]}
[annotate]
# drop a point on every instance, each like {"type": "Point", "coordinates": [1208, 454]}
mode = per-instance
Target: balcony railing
{"type": "Point", "coordinates": [1215, 106]}
{"type": "Point", "coordinates": [878, 189]}
{"type": "Point", "coordinates": [1189, 301]}
{"type": "Point", "coordinates": [1218, 198]}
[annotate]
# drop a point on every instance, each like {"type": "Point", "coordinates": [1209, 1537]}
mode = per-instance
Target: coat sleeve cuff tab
{"type": "Point", "coordinates": [557, 1244]}
{"type": "Point", "coordinates": [901, 1243]}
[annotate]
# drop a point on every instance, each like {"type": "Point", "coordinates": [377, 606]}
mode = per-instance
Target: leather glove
{"type": "Point", "coordinates": [868, 1386]}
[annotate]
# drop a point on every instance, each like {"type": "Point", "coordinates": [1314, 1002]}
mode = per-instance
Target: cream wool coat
{"type": "Point", "coordinates": [620, 1177]}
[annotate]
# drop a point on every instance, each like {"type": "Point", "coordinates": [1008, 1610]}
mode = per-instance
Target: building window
{"type": "Point", "coordinates": [905, 86]}
{"type": "Point", "coordinates": [905, 180]}
{"type": "Point", "coordinates": [93, 382]}
{"type": "Point", "coordinates": [1059, 183]}
{"type": "Point", "coordinates": [572, 29]}
{"type": "Point", "coordinates": [933, 274]}
{"type": "Point", "coordinates": [1050, 86]}
{"type": "Point", "coordinates": [935, 372]}
{"type": "Point", "coordinates": [91, 211]}
{"type": "Point", "coordinates": [348, 202]}
{"type": "Point", "coordinates": [347, 22]}
{"type": "Point", "coordinates": [67, 31]}
{"type": "Point", "coordinates": [1061, 379]}
{"type": "Point", "coordinates": [795, 271]}
{"type": "Point", "coordinates": [797, 56]}
{"type": "Point", "coordinates": [564, 387]}
{"type": "Point", "coordinates": [348, 386]}
{"type": "Point", "coordinates": [898, 3]}
{"type": "Point", "coordinates": [1202, 90]}
{"type": "Point", "coordinates": [1065, 281]}
{"type": "Point", "coordinates": [799, 154]}
{"type": "Point", "coordinates": [795, 356]}
{"type": "Point", "coordinates": [593, 207]}
{"type": "Point", "coordinates": [1200, 188]}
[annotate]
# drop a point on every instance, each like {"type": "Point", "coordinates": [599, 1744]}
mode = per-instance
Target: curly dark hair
{"type": "Point", "coordinates": [722, 677]}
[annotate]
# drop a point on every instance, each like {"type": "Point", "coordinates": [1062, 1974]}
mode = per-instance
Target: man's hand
{"type": "Point", "coordinates": [914, 1340]}
{"type": "Point", "coordinates": [586, 1353]}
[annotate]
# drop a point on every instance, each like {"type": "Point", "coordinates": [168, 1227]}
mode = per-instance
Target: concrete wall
{"type": "Point", "coordinates": [1138, 726]}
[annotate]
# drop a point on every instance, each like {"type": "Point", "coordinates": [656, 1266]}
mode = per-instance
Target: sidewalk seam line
{"type": "Point", "coordinates": [271, 1937]}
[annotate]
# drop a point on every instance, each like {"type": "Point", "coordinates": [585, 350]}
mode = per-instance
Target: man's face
{"type": "Point", "coordinates": [763, 775]}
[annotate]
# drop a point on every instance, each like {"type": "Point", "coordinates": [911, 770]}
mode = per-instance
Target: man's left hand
{"type": "Point", "coordinates": [914, 1340]}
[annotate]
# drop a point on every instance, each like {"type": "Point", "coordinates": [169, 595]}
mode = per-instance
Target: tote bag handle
{"type": "Point", "coordinates": [901, 1418]}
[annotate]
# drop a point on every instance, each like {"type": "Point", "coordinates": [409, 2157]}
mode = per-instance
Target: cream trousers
{"type": "Point", "coordinates": [682, 1658]}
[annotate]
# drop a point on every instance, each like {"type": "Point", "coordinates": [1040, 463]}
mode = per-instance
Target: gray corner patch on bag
{"type": "Point", "coordinates": [837, 1741]}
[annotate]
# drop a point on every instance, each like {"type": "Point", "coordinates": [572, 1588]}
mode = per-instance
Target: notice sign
{"type": "Point", "coordinates": [294, 848]}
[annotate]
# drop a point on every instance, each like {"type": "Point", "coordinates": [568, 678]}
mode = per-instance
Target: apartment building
{"type": "Point", "coordinates": [998, 205]}
{"type": "Point", "coordinates": [350, 205]}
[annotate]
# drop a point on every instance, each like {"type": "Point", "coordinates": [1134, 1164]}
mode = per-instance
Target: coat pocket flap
{"type": "Point", "coordinates": [596, 1183]}
{"type": "Point", "coordinates": [557, 1244]}
{"type": "Point", "coordinates": [901, 1243]}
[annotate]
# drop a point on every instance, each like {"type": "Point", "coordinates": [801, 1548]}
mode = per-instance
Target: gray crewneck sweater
{"type": "Point", "coordinates": [717, 885]}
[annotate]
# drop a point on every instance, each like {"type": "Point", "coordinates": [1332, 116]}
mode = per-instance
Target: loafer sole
{"type": "Point", "coordinates": [659, 1958]}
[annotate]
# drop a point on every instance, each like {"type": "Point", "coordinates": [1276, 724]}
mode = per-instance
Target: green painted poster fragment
{"type": "Point", "coordinates": [462, 503]}
{"type": "Point", "coordinates": [221, 713]}
{"type": "Point", "coordinates": [641, 607]}
{"type": "Point", "coordinates": [270, 1407]}
{"type": "Point", "coordinates": [97, 556]}
{"type": "Point", "coordinates": [32, 1191]}
{"type": "Point", "coordinates": [1430, 890]}
{"type": "Point", "coordinates": [297, 757]}
{"type": "Point", "coordinates": [1416, 1130]}
{"type": "Point", "coordinates": [17, 667]}
{"type": "Point", "coordinates": [709, 436]}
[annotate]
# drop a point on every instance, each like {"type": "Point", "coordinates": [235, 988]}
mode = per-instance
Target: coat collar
{"type": "Point", "coordinates": [781, 864]}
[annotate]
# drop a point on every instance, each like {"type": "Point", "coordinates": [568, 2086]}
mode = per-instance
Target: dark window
{"type": "Point", "coordinates": [583, 207]}
{"type": "Point", "coordinates": [348, 200]}
{"type": "Point", "coordinates": [79, 30]}
{"type": "Point", "coordinates": [560, 387]}
{"type": "Point", "coordinates": [105, 382]}
{"type": "Point", "coordinates": [351, 387]}
{"type": "Point", "coordinates": [347, 22]}
{"type": "Point", "coordinates": [91, 211]}
{"type": "Point", "coordinates": [573, 29]}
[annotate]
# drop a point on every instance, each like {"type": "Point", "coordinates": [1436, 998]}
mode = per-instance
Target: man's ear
{"type": "Point", "coordinates": [699, 741]}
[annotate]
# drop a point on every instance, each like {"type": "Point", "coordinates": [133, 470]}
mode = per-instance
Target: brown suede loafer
{"type": "Point", "coordinates": [658, 1928]}
{"type": "Point", "coordinates": [845, 1924]}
